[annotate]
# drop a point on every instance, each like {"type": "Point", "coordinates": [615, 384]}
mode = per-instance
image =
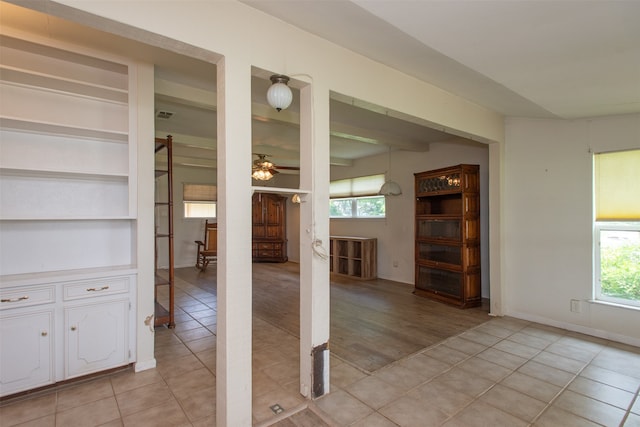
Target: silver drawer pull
{"type": "Point", "coordinates": [104, 288]}
{"type": "Point", "coordinates": [14, 299]}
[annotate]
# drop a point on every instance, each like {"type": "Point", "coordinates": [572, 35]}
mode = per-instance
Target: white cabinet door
{"type": "Point", "coordinates": [26, 351]}
{"type": "Point", "coordinates": [96, 337]}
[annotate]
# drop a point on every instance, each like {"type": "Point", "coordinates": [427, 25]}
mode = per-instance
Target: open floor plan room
{"type": "Point", "coordinates": [396, 360]}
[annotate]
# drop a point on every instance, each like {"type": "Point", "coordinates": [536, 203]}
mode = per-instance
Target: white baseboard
{"type": "Point", "coordinates": [577, 328]}
{"type": "Point", "coordinates": [143, 366]}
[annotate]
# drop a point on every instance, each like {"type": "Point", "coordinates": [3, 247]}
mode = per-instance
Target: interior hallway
{"type": "Point", "coordinates": [488, 371]}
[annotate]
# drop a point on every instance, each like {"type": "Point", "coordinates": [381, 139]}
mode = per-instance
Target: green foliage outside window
{"type": "Point", "coordinates": [340, 208]}
{"type": "Point", "coordinates": [357, 207]}
{"type": "Point", "coordinates": [620, 271]}
{"type": "Point", "coordinates": [371, 207]}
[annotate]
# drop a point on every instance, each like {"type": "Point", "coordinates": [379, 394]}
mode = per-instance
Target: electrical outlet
{"type": "Point", "coordinates": [276, 409]}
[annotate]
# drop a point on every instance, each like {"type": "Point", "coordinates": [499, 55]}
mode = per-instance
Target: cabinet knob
{"type": "Point", "coordinates": [73, 328]}
{"type": "Point", "coordinates": [104, 288]}
{"type": "Point", "coordinates": [44, 333]}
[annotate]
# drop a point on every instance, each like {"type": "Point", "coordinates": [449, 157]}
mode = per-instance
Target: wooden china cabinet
{"type": "Point", "coordinates": [447, 251]}
{"type": "Point", "coordinates": [269, 241]}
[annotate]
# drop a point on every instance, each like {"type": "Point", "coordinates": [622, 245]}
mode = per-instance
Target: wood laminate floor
{"type": "Point", "coordinates": [373, 323]}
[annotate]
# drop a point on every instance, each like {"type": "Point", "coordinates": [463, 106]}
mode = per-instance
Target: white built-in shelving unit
{"type": "Point", "coordinates": [68, 210]}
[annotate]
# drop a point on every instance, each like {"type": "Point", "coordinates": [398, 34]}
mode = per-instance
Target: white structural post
{"type": "Point", "coordinates": [233, 364]}
{"type": "Point", "coordinates": [314, 241]}
{"type": "Point", "coordinates": [144, 140]}
{"type": "Point", "coordinates": [496, 189]}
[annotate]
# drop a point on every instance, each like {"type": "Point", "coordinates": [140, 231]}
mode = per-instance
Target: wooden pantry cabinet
{"type": "Point", "coordinates": [269, 226]}
{"type": "Point", "coordinates": [447, 227]}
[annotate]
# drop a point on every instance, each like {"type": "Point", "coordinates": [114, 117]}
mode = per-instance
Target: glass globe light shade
{"type": "Point", "coordinates": [279, 95]}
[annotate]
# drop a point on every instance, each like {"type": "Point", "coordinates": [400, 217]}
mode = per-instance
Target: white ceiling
{"type": "Point", "coordinates": [565, 59]}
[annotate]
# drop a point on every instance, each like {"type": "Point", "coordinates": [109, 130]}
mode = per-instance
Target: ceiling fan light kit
{"type": "Point", "coordinates": [279, 95]}
{"type": "Point", "coordinates": [263, 169]}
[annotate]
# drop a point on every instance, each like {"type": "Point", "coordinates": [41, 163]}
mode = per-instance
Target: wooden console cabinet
{"type": "Point", "coordinates": [447, 251]}
{"type": "Point", "coordinates": [269, 241]}
{"type": "Point", "coordinates": [355, 257]}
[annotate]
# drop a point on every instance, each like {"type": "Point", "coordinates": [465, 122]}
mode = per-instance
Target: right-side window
{"type": "Point", "coordinates": [617, 227]}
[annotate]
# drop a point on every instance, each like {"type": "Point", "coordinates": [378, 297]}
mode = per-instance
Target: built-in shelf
{"type": "Point", "coordinates": [53, 83]}
{"type": "Point", "coordinates": [64, 174]}
{"type": "Point", "coordinates": [68, 218]}
{"type": "Point", "coordinates": [68, 212]}
{"type": "Point", "coordinates": [50, 128]}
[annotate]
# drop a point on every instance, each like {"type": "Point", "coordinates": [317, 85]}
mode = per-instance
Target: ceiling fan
{"type": "Point", "coordinates": [264, 170]}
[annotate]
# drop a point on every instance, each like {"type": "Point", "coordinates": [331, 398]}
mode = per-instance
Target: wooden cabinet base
{"type": "Point", "coordinates": [447, 299]}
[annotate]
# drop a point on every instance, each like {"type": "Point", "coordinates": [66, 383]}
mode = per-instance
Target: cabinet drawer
{"type": "Point", "coordinates": [27, 296]}
{"type": "Point", "coordinates": [270, 254]}
{"type": "Point", "coordinates": [265, 246]}
{"type": "Point", "coordinates": [269, 246]}
{"type": "Point", "coordinates": [95, 288]}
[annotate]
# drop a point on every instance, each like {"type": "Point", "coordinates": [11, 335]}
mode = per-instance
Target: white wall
{"type": "Point", "coordinates": [187, 230]}
{"type": "Point", "coordinates": [396, 233]}
{"type": "Point", "coordinates": [548, 226]}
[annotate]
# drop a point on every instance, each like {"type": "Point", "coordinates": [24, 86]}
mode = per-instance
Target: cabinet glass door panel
{"type": "Point", "coordinates": [439, 281]}
{"type": "Point", "coordinates": [447, 204]}
{"type": "Point", "coordinates": [439, 229]}
{"type": "Point", "coordinates": [440, 253]}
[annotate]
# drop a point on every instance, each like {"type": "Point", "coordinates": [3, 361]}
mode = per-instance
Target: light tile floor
{"type": "Point", "coordinates": [505, 372]}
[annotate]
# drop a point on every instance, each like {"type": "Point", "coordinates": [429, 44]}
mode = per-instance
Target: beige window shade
{"type": "Point", "coordinates": [617, 186]}
{"type": "Point", "coordinates": [356, 187]}
{"type": "Point", "coordinates": [199, 193]}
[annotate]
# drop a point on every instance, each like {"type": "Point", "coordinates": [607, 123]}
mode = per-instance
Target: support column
{"type": "Point", "coordinates": [314, 241]}
{"type": "Point", "coordinates": [496, 253]}
{"type": "Point", "coordinates": [145, 145]}
{"type": "Point", "coordinates": [233, 364]}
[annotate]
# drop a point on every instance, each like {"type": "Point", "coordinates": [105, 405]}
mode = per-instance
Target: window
{"type": "Point", "coordinates": [357, 198]}
{"type": "Point", "coordinates": [199, 200]}
{"type": "Point", "coordinates": [617, 227]}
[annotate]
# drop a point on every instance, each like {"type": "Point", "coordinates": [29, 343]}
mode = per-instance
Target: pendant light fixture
{"type": "Point", "coordinates": [390, 188]}
{"type": "Point", "coordinates": [279, 95]}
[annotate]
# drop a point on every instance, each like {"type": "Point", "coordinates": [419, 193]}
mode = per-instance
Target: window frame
{"type": "Point", "coordinates": [615, 208]}
{"type": "Point", "coordinates": [199, 194]}
{"type": "Point", "coordinates": [354, 207]}
{"type": "Point", "coordinates": [600, 226]}
{"type": "Point", "coordinates": [185, 204]}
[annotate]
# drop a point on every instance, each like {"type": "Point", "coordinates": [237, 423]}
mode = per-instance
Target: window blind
{"type": "Point", "coordinates": [617, 186]}
{"type": "Point", "coordinates": [356, 187]}
{"type": "Point", "coordinates": [199, 192]}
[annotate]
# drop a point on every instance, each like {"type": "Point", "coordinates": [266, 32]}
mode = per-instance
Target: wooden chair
{"type": "Point", "coordinates": [207, 250]}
